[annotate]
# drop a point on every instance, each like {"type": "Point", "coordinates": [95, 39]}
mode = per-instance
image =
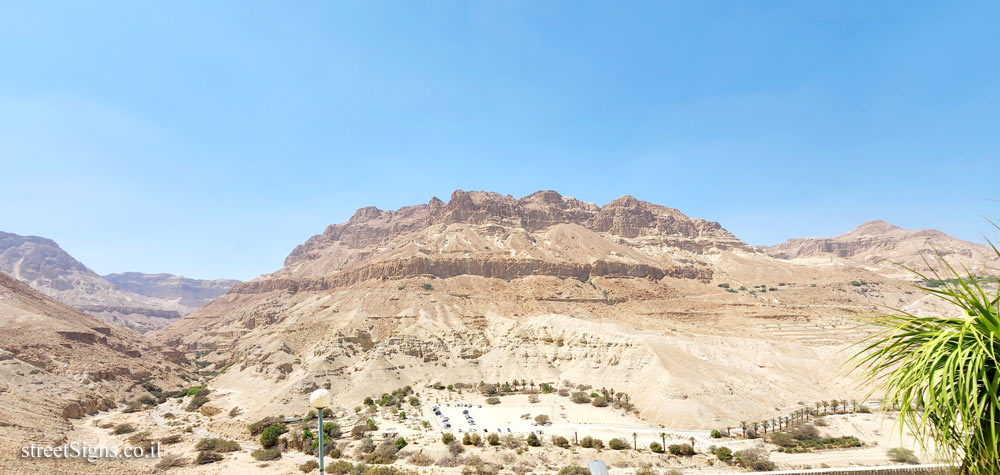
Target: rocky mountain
{"type": "Point", "coordinates": [696, 325]}
{"type": "Point", "coordinates": [57, 363]}
{"type": "Point", "coordinates": [141, 302]}
{"type": "Point", "coordinates": [884, 248]}
{"type": "Point", "coordinates": [189, 294]}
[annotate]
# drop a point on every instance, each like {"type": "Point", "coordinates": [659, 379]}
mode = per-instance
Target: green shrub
{"type": "Point", "coordinates": [724, 454]}
{"type": "Point", "coordinates": [427, 287]}
{"type": "Point", "coordinates": [207, 457]}
{"type": "Point", "coordinates": [269, 437]}
{"type": "Point", "coordinates": [259, 426]}
{"type": "Point", "coordinates": [901, 455]}
{"type": "Point", "coordinates": [371, 425]}
{"type": "Point", "coordinates": [399, 443]}
{"type": "Point", "coordinates": [547, 388]}
{"type": "Point", "coordinates": [617, 444]}
{"type": "Point", "coordinates": [856, 283]}
{"type": "Point", "coordinates": [266, 454]}
{"type": "Point", "coordinates": [724, 285]}
{"type": "Point", "coordinates": [716, 434]}
{"type": "Point", "coordinates": [656, 447]}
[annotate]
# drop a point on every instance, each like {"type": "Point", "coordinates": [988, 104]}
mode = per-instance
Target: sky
{"type": "Point", "coordinates": [208, 139]}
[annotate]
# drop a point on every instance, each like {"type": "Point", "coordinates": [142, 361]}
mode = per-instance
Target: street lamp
{"type": "Point", "coordinates": [319, 399]}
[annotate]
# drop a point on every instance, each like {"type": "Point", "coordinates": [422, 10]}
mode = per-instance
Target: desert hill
{"type": "Point", "coordinates": [697, 326]}
{"type": "Point", "coordinates": [58, 363]}
{"type": "Point", "coordinates": [884, 248]}
{"type": "Point", "coordinates": [141, 302]}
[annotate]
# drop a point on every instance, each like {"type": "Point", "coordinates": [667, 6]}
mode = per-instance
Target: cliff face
{"type": "Point", "coordinates": [69, 362]}
{"type": "Point", "coordinates": [546, 287]}
{"type": "Point", "coordinates": [624, 218]}
{"type": "Point", "coordinates": [142, 302]}
{"type": "Point", "coordinates": [885, 248]}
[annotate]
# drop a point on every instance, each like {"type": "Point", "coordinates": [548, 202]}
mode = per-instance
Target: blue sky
{"type": "Point", "coordinates": [209, 138]}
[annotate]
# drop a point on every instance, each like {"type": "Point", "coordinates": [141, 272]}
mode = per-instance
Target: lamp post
{"type": "Point", "coordinates": [319, 399]}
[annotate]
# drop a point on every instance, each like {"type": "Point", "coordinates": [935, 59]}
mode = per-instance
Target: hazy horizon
{"type": "Point", "coordinates": [208, 140]}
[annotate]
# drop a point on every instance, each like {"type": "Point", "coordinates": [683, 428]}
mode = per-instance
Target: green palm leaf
{"type": "Point", "coordinates": [942, 370]}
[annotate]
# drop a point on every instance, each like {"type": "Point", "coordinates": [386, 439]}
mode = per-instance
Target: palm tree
{"type": "Point", "coordinates": [663, 439]}
{"type": "Point", "coordinates": [743, 426]}
{"type": "Point", "coordinates": [692, 443]}
{"type": "Point", "coordinates": [818, 405]}
{"type": "Point", "coordinates": [833, 405]}
{"type": "Point", "coordinates": [854, 404]}
{"type": "Point", "coordinates": [635, 441]}
{"type": "Point", "coordinates": [945, 364]}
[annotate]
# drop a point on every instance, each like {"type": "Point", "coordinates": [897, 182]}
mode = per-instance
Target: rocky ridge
{"type": "Point", "coordinates": [141, 302]}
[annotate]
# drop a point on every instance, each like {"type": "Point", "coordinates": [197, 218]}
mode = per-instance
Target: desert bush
{"type": "Point", "coordinates": [541, 419]}
{"type": "Point", "coordinates": [598, 444]}
{"type": "Point", "coordinates": [533, 440]}
{"type": "Point", "coordinates": [804, 431]}
{"type": "Point", "coordinates": [367, 445]}
{"type": "Point", "coordinates": [476, 440]}
{"type": "Point", "coordinates": [599, 402]}
{"type": "Point", "coordinates": [257, 427]}
{"type": "Point", "coordinates": [656, 447]}
{"type": "Point", "coordinates": [681, 449]}
{"type": "Point", "coordinates": [217, 445]}
{"type": "Point", "coordinates": [309, 466]}
{"type": "Point", "coordinates": [420, 459]}
{"type": "Point", "coordinates": [580, 397]}
{"type": "Point", "coordinates": [560, 441]}
{"type": "Point", "coordinates": [234, 412]}
{"type": "Point", "coordinates": [466, 439]}
{"type": "Point", "coordinates": [399, 443]}
{"type": "Point", "coordinates": [427, 287]}
{"type": "Point", "coordinates": [821, 422]}
{"type": "Point", "coordinates": [171, 461]}
{"type": "Point", "coordinates": [455, 449]}
{"type": "Point", "coordinates": [170, 439]}
{"type": "Point", "coordinates": [864, 410]}
{"type": "Point", "coordinates": [901, 455]}
{"type": "Point", "coordinates": [617, 444]}
{"type": "Point", "coordinates": [123, 429]}
{"type": "Point", "coordinates": [384, 455]}
{"type": "Point", "coordinates": [511, 441]}
{"type": "Point", "coordinates": [447, 438]}
{"type": "Point", "coordinates": [266, 454]}
{"type": "Point", "coordinates": [533, 398]}
{"type": "Point", "coordinates": [493, 439]}
{"type": "Point", "coordinates": [196, 402]}
{"type": "Point", "coordinates": [724, 454]}
{"type": "Point", "coordinates": [574, 470]}
{"type": "Point", "coordinates": [754, 459]}
{"type": "Point", "coordinates": [493, 400]}
{"type": "Point", "coordinates": [270, 436]}
{"type": "Point", "coordinates": [587, 442]}
{"type": "Point", "coordinates": [358, 431]}
{"type": "Point", "coordinates": [340, 467]}
{"type": "Point", "coordinates": [563, 392]}
{"type": "Point", "coordinates": [207, 457]}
